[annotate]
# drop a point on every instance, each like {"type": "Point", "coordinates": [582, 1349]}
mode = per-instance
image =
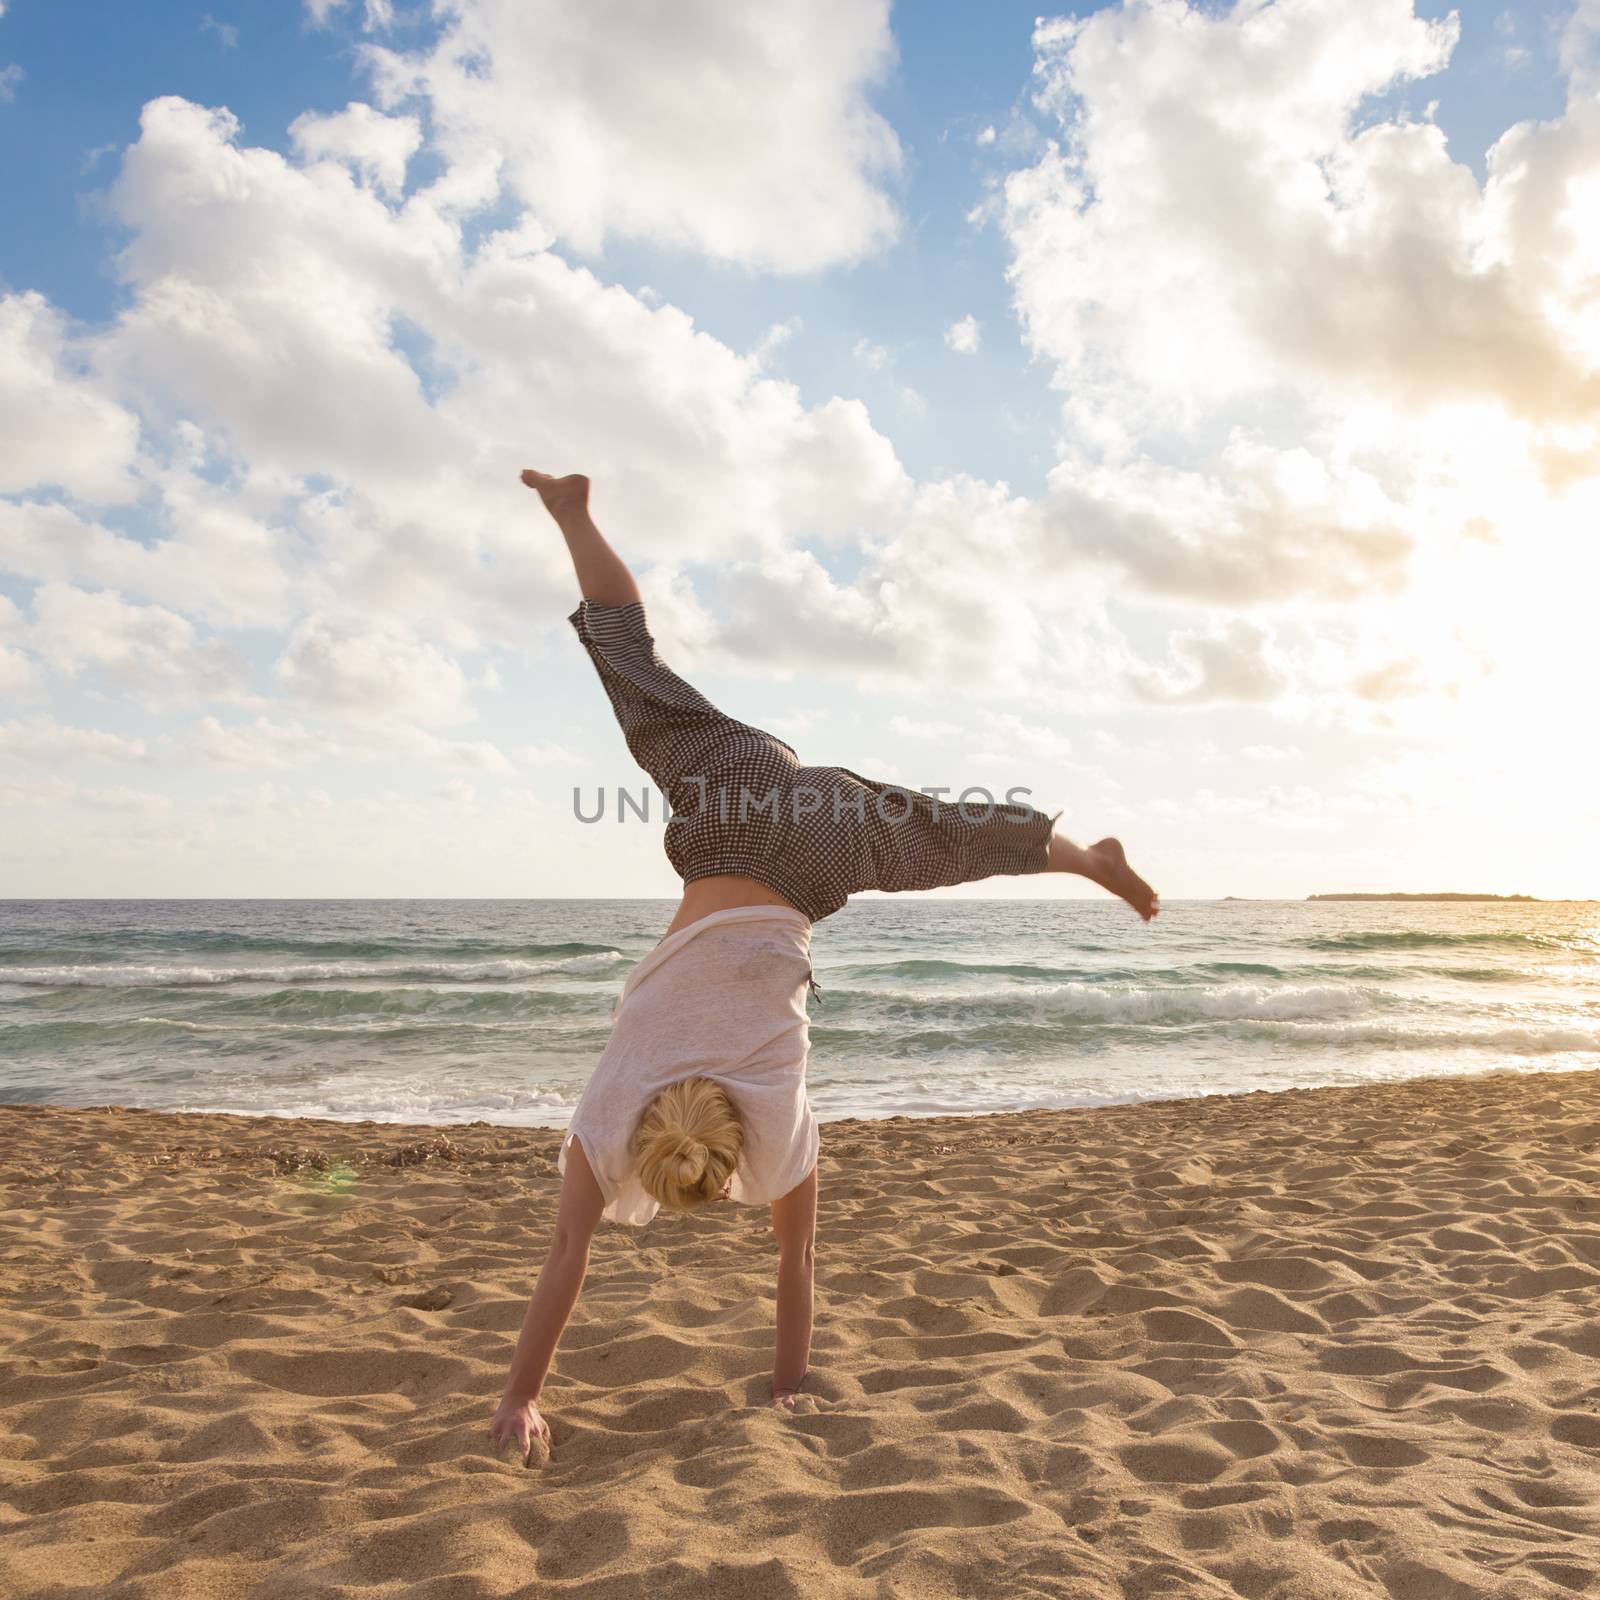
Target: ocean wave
{"type": "Point", "coordinates": [932, 967]}
{"type": "Point", "coordinates": [25, 1037]}
{"type": "Point", "coordinates": [364, 1102]}
{"type": "Point", "coordinates": [455, 1004]}
{"type": "Point", "coordinates": [159, 1043]}
{"type": "Point", "coordinates": [373, 1025]}
{"type": "Point", "coordinates": [1047, 1003]}
{"type": "Point", "coordinates": [1416, 939]}
{"type": "Point", "coordinates": [211, 942]}
{"type": "Point", "coordinates": [155, 976]}
{"type": "Point", "coordinates": [1518, 1039]}
{"type": "Point", "coordinates": [1226, 1003]}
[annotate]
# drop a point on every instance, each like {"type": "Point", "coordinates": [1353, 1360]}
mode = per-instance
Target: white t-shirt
{"type": "Point", "coordinates": [723, 998]}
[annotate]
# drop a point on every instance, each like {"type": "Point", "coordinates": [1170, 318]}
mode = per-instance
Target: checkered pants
{"type": "Point", "coordinates": [743, 803]}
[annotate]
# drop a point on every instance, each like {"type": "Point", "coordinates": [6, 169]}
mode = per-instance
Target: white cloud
{"type": "Point", "coordinates": [264, 297]}
{"type": "Point", "coordinates": [1580, 51]}
{"type": "Point", "coordinates": [986, 135]}
{"type": "Point", "coordinates": [227, 34]}
{"type": "Point", "coordinates": [1216, 229]}
{"type": "Point", "coordinates": [362, 668]}
{"type": "Point", "coordinates": [120, 798]}
{"type": "Point", "coordinates": [965, 591]}
{"type": "Point", "coordinates": [262, 743]}
{"type": "Point", "coordinates": [376, 14]}
{"type": "Point", "coordinates": [774, 339]}
{"type": "Point", "coordinates": [10, 76]}
{"type": "Point", "coordinates": [741, 132]}
{"type": "Point", "coordinates": [58, 426]}
{"type": "Point", "coordinates": [375, 147]}
{"type": "Point", "coordinates": [550, 755]}
{"type": "Point", "coordinates": [1303, 808]}
{"type": "Point", "coordinates": [17, 671]}
{"type": "Point", "coordinates": [962, 336]}
{"type": "Point", "coordinates": [1033, 737]}
{"type": "Point", "coordinates": [874, 357]}
{"type": "Point", "coordinates": [58, 794]}
{"type": "Point", "coordinates": [792, 725]}
{"type": "Point", "coordinates": [1308, 362]}
{"type": "Point", "coordinates": [470, 755]}
{"type": "Point", "coordinates": [148, 651]}
{"type": "Point", "coordinates": [1234, 662]}
{"type": "Point", "coordinates": [1265, 524]}
{"type": "Point", "coordinates": [43, 742]}
{"type": "Point", "coordinates": [219, 562]}
{"type": "Point", "coordinates": [1391, 681]}
{"type": "Point", "coordinates": [266, 745]}
{"type": "Point", "coordinates": [923, 728]}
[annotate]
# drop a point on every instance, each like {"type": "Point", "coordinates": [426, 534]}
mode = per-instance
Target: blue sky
{"type": "Point", "coordinates": [1153, 542]}
{"type": "Point", "coordinates": [91, 66]}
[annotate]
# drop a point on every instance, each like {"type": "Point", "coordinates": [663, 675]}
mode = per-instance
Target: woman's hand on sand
{"type": "Point", "coordinates": [519, 1422]}
{"type": "Point", "coordinates": [562, 496]}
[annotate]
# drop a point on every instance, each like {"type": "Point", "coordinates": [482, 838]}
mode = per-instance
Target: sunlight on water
{"type": "Point", "coordinates": [448, 1012]}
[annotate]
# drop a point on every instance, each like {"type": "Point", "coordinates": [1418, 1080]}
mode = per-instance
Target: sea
{"type": "Point", "coordinates": [448, 1012]}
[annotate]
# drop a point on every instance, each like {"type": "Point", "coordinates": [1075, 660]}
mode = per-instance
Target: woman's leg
{"type": "Point", "coordinates": [665, 721]}
{"type": "Point", "coordinates": [602, 574]}
{"type": "Point", "coordinates": [660, 713]}
{"type": "Point", "coordinates": [1106, 864]}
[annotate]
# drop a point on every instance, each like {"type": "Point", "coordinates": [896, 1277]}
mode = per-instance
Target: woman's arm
{"type": "Point", "coordinates": [554, 1295]}
{"type": "Point", "coordinates": [794, 1221]}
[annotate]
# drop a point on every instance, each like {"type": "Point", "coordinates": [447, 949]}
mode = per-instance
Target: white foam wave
{"type": "Point", "coordinates": [1113, 1003]}
{"type": "Point", "coordinates": [156, 976]}
{"type": "Point", "coordinates": [1223, 1003]}
{"type": "Point", "coordinates": [372, 1025]}
{"type": "Point", "coordinates": [1523, 1040]}
{"type": "Point", "coordinates": [403, 1103]}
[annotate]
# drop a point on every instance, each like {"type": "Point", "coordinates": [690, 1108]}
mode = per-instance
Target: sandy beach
{"type": "Point", "coordinates": [1299, 1346]}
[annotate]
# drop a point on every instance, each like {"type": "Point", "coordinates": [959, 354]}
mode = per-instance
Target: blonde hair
{"type": "Point", "coordinates": [687, 1144]}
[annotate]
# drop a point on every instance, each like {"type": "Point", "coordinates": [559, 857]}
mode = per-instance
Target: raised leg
{"type": "Point", "coordinates": [1106, 864]}
{"type": "Point", "coordinates": [602, 574]}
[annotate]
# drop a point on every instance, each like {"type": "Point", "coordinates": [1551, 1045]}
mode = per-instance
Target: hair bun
{"type": "Point", "coordinates": [687, 1143]}
{"type": "Point", "coordinates": [692, 1163]}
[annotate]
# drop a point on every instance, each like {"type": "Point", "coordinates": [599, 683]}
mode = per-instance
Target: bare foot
{"type": "Point", "coordinates": [783, 1400]}
{"type": "Point", "coordinates": [561, 496]}
{"type": "Point", "coordinates": [1108, 866]}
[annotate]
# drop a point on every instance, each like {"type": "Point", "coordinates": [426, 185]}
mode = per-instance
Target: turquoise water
{"type": "Point", "coordinates": [452, 1011]}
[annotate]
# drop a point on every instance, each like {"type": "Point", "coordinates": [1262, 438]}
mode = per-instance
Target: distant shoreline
{"type": "Point", "coordinates": [1527, 897]}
